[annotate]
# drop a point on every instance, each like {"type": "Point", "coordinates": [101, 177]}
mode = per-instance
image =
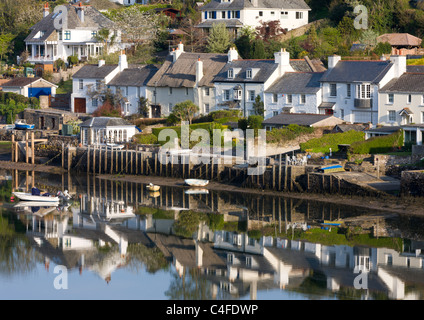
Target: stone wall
{"type": "Point", "coordinates": [412, 183]}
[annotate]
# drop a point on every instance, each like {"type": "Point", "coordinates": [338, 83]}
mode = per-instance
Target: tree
{"type": "Point", "coordinates": [258, 49]}
{"type": "Point", "coordinates": [219, 39]}
{"type": "Point", "coordinates": [6, 44]}
{"type": "Point", "coordinates": [143, 108]}
{"type": "Point", "coordinates": [185, 111]}
{"type": "Point", "coordinates": [269, 30]}
{"type": "Point", "coordinates": [258, 106]}
{"type": "Point", "coordinates": [106, 37]}
{"type": "Point", "coordinates": [244, 46]}
{"type": "Point", "coordinates": [382, 48]}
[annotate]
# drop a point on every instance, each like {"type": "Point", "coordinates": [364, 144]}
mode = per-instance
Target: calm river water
{"type": "Point", "coordinates": [116, 240]}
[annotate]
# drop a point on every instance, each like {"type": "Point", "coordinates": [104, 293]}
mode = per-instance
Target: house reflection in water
{"type": "Point", "coordinates": [233, 264]}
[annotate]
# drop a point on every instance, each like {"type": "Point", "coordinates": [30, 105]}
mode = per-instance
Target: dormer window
{"type": "Point", "coordinates": [230, 74]}
{"type": "Point", "coordinates": [249, 74]}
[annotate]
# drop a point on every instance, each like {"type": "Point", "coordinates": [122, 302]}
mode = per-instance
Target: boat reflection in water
{"type": "Point", "coordinates": [107, 228]}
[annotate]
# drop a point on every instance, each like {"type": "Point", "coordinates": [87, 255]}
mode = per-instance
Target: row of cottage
{"type": "Point", "coordinates": [385, 91]}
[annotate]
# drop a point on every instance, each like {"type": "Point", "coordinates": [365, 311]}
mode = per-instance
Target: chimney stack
{"type": "Point", "coordinates": [46, 10]}
{"type": "Point", "coordinates": [101, 63]}
{"type": "Point", "coordinates": [282, 58]}
{"type": "Point", "coordinates": [399, 63]}
{"type": "Point", "coordinates": [80, 12]}
{"type": "Point", "coordinates": [123, 63]}
{"type": "Point", "coordinates": [199, 71]}
{"type": "Point", "coordinates": [177, 52]}
{"type": "Point", "coordinates": [232, 54]}
{"type": "Point", "coordinates": [333, 60]}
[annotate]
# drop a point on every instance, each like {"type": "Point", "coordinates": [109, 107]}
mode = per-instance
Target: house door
{"type": "Point", "coordinates": [79, 105]}
{"type": "Point", "coordinates": [156, 111]}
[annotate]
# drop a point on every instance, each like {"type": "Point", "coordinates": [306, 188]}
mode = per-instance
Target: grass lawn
{"type": "Point", "coordinates": [65, 88]}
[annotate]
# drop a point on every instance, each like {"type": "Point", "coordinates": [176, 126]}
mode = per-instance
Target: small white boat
{"type": "Point", "coordinates": [152, 187]}
{"type": "Point", "coordinates": [30, 197]}
{"type": "Point", "coordinates": [25, 204]}
{"type": "Point", "coordinates": [196, 182]}
{"type": "Point", "coordinates": [114, 146]}
{"type": "Point", "coordinates": [197, 191]}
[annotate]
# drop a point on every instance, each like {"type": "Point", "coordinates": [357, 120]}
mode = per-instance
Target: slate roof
{"type": "Point", "coordinates": [93, 19]}
{"type": "Point", "coordinates": [417, 69]}
{"type": "Point", "coordinates": [24, 81]}
{"type": "Point", "coordinates": [93, 71]}
{"type": "Point", "coordinates": [400, 39]}
{"type": "Point", "coordinates": [105, 122]}
{"type": "Point", "coordinates": [20, 82]}
{"type": "Point", "coordinates": [242, 4]}
{"type": "Point", "coordinates": [266, 68]}
{"type": "Point", "coordinates": [182, 73]}
{"type": "Point", "coordinates": [134, 77]}
{"type": "Point", "coordinates": [357, 71]}
{"type": "Point", "coordinates": [407, 82]}
{"type": "Point", "coordinates": [301, 119]}
{"type": "Point", "coordinates": [297, 82]}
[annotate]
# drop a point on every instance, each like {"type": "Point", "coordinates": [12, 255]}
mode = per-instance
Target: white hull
{"type": "Point", "coordinates": [24, 204]}
{"type": "Point", "coordinates": [197, 191]}
{"type": "Point", "coordinates": [196, 182]}
{"type": "Point", "coordinates": [29, 197]}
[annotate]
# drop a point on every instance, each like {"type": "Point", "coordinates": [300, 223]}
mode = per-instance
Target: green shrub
{"type": "Point", "coordinates": [288, 133]}
{"type": "Point", "coordinates": [145, 138]}
{"type": "Point", "coordinates": [332, 140]}
{"type": "Point", "coordinates": [381, 144]}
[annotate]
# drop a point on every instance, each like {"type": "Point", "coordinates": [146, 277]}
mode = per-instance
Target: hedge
{"type": "Point", "coordinates": [332, 140]}
{"type": "Point", "coordinates": [288, 133]}
{"type": "Point", "coordinates": [381, 144]}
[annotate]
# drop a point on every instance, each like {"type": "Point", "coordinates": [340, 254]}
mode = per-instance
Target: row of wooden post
{"type": "Point", "coordinates": [15, 148]}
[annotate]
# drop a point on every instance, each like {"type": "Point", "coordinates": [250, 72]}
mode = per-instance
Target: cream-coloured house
{"type": "Point", "coordinates": [236, 14]}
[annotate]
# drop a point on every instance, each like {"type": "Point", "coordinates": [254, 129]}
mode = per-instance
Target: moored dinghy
{"type": "Point", "coordinates": [196, 182]}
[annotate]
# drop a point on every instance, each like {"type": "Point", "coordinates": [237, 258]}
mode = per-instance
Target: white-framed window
{"type": "Point", "coordinates": [249, 74]}
{"type": "Point", "coordinates": [170, 106]}
{"type": "Point", "coordinates": [284, 14]}
{"type": "Point", "coordinates": [206, 105]}
{"type": "Point", "coordinates": [251, 95]}
{"type": "Point", "coordinates": [289, 98]}
{"type": "Point", "coordinates": [207, 93]}
{"type": "Point", "coordinates": [299, 15]}
{"type": "Point", "coordinates": [186, 91]}
{"type": "Point", "coordinates": [390, 98]}
{"type": "Point", "coordinates": [170, 90]}
{"type": "Point", "coordinates": [67, 35]}
{"type": "Point", "coordinates": [275, 113]}
{"type": "Point", "coordinates": [348, 90]}
{"type": "Point", "coordinates": [223, 14]}
{"type": "Point", "coordinates": [226, 95]}
{"type": "Point", "coordinates": [81, 84]}
{"type": "Point", "coordinates": [272, 13]}
{"type": "Point", "coordinates": [409, 98]}
{"type": "Point", "coordinates": [248, 261]}
{"type": "Point", "coordinates": [261, 13]}
{"type": "Point", "coordinates": [237, 94]}
{"type": "Point", "coordinates": [274, 98]}
{"type": "Point", "coordinates": [392, 115]}
{"type": "Point", "coordinates": [422, 117]}
{"type": "Point", "coordinates": [333, 90]}
{"type": "Point", "coordinates": [302, 99]}
{"type": "Point", "coordinates": [94, 103]}
{"type": "Point", "coordinates": [230, 73]}
{"type": "Point", "coordinates": [342, 114]}
{"type": "Point", "coordinates": [363, 91]}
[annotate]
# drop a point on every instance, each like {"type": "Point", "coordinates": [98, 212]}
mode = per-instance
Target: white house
{"type": "Point", "coordinates": [239, 13]}
{"type": "Point", "coordinates": [90, 78]}
{"type": "Point", "coordinates": [294, 92]}
{"type": "Point", "coordinates": [350, 89]}
{"type": "Point", "coordinates": [102, 130]}
{"type": "Point", "coordinates": [71, 31]}
{"type": "Point", "coordinates": [185, 76]}
{"type": "Point", "coordinates": [131, 83]}
{"type": "Point", "coordinates": [30, 87]}
{"type": "Point", "coordinates": [401, 101]}
{"type": "Point", "coordinates": [239, 83]}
